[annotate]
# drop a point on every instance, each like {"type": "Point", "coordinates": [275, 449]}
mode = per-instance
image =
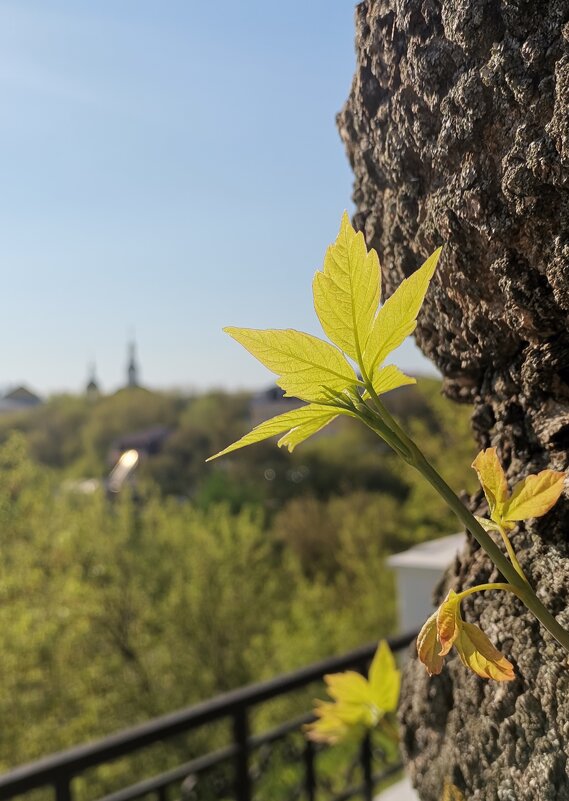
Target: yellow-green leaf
{"type": "Point", "coordinates": [477, 652]}
{"type": "Point", "coordinates": [449, 622]}
{"type": "Point", "coordinates": [397, 318]}
{"type": "Point", "coordinates": [305, 364]}
{"type": "Point", "coordinates": [312, 425]}
{"type": "Point", "coordinates": [447, 628]}
{"type": "Point", "coordinates": [333, 723]}
{"type": "Point", "coordinates": [384, 679]}
{"type": "Point", "coordinates": [357, 701]}
{"type": "Point", "coordinates": [429, 646]}
{"type": "Point", "coordinates": [488, 525]}
{"type": "Point", "coordinates": [289, 421]}
{"type": "Point", "coordinates": [349, 688]}
{"type": "Point", "coordinates": [390, 377]}
{"type": "Point", "coordinates": [347, 291]}
{"type": "Point", "coordinates": [534, 496]}
{"type": "Point", "coordinates": [493, 481]}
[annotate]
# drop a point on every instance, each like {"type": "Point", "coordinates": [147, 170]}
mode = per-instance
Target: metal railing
{"type": "Point", "coordinates": [59, 770]}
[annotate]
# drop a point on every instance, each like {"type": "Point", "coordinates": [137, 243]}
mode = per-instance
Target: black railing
{"type": "Point", "coordinates": [59, 770]}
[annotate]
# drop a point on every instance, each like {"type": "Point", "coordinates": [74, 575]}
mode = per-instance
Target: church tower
{"type": "Point", "coordinates": [92, 388]}
{"type": "Point", "coordinates": [132, 369]}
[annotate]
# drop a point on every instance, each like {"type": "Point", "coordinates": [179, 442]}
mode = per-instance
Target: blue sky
{"type": "Point", "coordinates": [167, 169]}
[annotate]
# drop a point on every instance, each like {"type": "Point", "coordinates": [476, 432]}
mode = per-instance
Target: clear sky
{"type": "Point", "coordinates": [167, 168]}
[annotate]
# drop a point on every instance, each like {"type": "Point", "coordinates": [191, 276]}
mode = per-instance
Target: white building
{"type": "Point", "coordinates": [417, 571]}
{"type": "Point", "coordinates": [19, 399]}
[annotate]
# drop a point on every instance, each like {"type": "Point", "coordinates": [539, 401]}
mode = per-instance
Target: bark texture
{"type": "Point", "coordinates": [457, 129]}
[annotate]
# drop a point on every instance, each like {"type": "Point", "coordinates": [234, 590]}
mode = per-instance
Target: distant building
{"type": "Point", "coordinates": [19, 399]}
{"type": "Point", "coordinates": [147, 442]}
{"type": "Point", "coordinates": [418, 571]}
{"type": "Point", "coordinates": [132, 377]}
{"type": "Point", "coordinates": [92, 388]}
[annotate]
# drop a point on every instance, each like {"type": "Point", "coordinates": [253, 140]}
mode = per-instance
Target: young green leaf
{"type": "Point", "coordinates": [309, 419]}
{"type": "Point", "coordinates": [448, 622]}
{"type": "Point", "coordinates": [493, 479]}
{"type": "Point", "coordinates": [357, 701]}
{"type": "Point", "coordinates": [477, 652]}
{"type": "Point", "coordinates": [390, 377]}
{"type": "Point", "coordinates": [447, 628]}
{"type": "Point", "coordinates": [534, 496]}
{"type": "Point", "coordinates": [384, 679]}
{"type": "Point", "coordinates": [397, 318]}
{"type": "Point", "coordinates": [488, 525]}
{"type": "Point", "coordinates": [429, 646]}
{"type": "Point", "coordinates": [349, 688]}
{"type": "Point", "coordinates": [333, 723]}
{"type": "Point", "coordinates": [306, 365]}
{"type": "Point", "coordinates": [311, 426]}
{"type": "Point", "coordinates": [347, 291]}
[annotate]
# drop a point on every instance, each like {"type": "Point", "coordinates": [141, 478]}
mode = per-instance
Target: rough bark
{"type": "Point", "coordinates": [457, 129]}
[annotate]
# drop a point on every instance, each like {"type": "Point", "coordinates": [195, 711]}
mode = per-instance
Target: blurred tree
{"type": "Point", "coordinates": [113, 612]}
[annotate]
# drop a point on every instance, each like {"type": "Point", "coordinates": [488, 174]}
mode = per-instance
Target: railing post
{"type": "Point", "coordinates": [310, 773]}
{"type": "Point", "coordinates": [241, 738]}
{"type": "Point", "coordinates": [366, 760]}
{"type": "Point", "coordinates": [63, 789]}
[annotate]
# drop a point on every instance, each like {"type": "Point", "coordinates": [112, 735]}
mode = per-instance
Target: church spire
{"type": "Point", "coordinates": [132, 369]}
{"type": "Point", "coordinates": [92, 387]}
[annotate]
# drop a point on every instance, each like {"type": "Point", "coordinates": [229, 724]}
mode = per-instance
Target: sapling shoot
{"type": "Point", "coordinates": [347, 375]}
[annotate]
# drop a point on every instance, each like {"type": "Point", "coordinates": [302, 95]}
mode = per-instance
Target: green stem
{"type": "Point", "coordinates": [491, 586]}
{"type": "Point", "coordinates": [522, 588]}
{"type": "Point", "coordinates": [383, 431]}
{"type": "Point", "coordinates": [512, 554]}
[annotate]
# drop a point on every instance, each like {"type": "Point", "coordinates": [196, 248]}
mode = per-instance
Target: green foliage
{"type": "Point", "coordinates": [114, 612]}
{"type": "Point", "coordinates": [74, 436]}
{"type": "Point", "coordinates": [321, 532]}
{"type": "Point", "coordinates": [130, 409]}
{"type": "Point", "coordinates": [204, 423]}
{"type": "Point", "coordinates": [111, 613]}
{"type": "Point", "coordinates": [207, 577]}
{"type": "Point", "coordinates": [51, 429]}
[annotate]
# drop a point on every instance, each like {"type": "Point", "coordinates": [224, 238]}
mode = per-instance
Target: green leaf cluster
{"type": "Point", "coordinates": [346, 296]}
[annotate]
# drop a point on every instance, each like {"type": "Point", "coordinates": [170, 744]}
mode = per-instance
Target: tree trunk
{"type": "Point", "coordinates": [457, 129]}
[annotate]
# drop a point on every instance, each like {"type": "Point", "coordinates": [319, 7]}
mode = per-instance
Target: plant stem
{"type": "Point", "coordinates": [490, 586]}
{"type": "Point", "coordinates": [522, 589]}
{"type": "Point", "coordinates": [512, 554]}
